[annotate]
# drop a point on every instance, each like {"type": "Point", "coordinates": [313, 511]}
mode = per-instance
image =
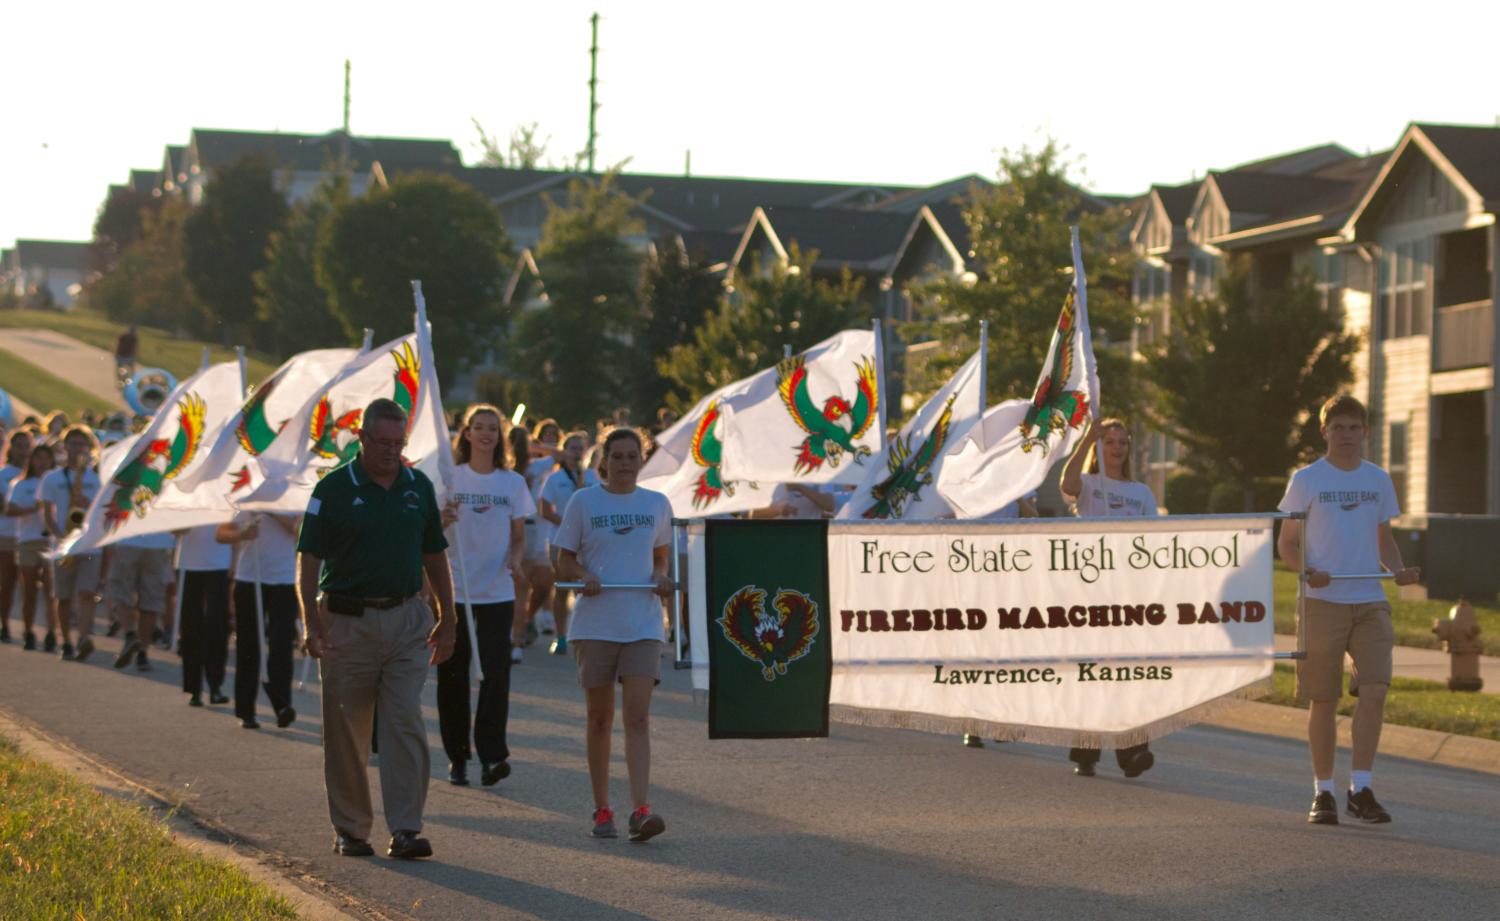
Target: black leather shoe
{"type": "Point", "coordinates": [1084, 769]}
{"type": "Point", "coordinates": [249, 724]}
{"type": "Point", "coordinates": [214, 697]}
{"type": "Point", "coordinates": [49, 642]}
{"type": "Point", "coordinates": [1139, 765]}
{"type": "Point", "coordinates": [494, 772]}
{"type": "Point", "coordinates": [407, 845]}
{"type": "Point", "coordinates": [458, 773]}
{"type": "Point", "coordinates": [972, 741]}
{"type": "Point", "coordinates": [1324, 811]}
{"type": "Point", "coordinates": [346, 846]}
{"type": "Point", "coordinates": [195, 701]}
{"type": "Point", "coordinates": [285, 717]}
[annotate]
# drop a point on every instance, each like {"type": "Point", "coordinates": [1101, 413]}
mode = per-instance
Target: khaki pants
{"type": "Point", "coordinates": [379, 659]}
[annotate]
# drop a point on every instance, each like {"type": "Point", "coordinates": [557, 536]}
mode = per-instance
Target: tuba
{"type": "Point", "coordinates": [78, 505]}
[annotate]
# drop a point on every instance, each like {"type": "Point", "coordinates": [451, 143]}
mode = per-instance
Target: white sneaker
{"type": "Point", "coordinates": [544, 622]}
{"type": "Point", "coordinates": [515, 655]}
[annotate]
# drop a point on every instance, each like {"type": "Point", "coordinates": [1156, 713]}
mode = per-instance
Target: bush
{"type": "Point", "coordinates": [1187, 493]}
{"type": "Point", "coordinates": [1229, 498]}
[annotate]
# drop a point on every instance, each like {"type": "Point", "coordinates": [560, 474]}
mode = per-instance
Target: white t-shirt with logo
{"type": "Point", "coordinates": [1345, 509]}
{"type": "Point", "coordinates": [488, 503]}
{"type": "Point", "coordinates": [27, 493]}
{"type": "Point", "coordinates": [1102, 497]}
{"type": "Point", "coordinates": [537, 471]}
{"type": "Point", "coordinates": [57, 488]}
{"type": "Point", "coordinates": [8, 474]}
{"type": "Point", "coordinates": [614, 535]}
{"type": "Point", "coordinates": [198, 551]}
{"type": "Point", "coordinates": [558, 489]}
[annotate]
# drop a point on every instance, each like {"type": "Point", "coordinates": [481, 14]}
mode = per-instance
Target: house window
{"type": "Point", "coordinates": [1396, 459]}
{"type": "Point", "coordinates": [1404, 292]}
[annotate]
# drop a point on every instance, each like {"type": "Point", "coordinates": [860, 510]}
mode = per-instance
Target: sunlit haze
{"type": "Point", "coordinates": [889, 92]}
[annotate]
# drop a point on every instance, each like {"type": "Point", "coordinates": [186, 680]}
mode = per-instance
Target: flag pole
{"type": "Point", "coordinates": [984, 360]}
{"type": "Point", "coordinates": [203, 363]}
{"type": "Point", "coordinates": [369, 338]}
{"type": "Point", "coordinates": [883, 399]}
{"type": "Point", "coordinates": [445, 461]}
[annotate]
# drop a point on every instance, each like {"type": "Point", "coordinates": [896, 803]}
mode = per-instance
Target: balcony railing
{"type": "Point", "coordinates": [1463, 336]}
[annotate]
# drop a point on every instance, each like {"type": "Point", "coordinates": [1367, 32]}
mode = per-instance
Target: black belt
{"type": "Point", "coordinates": [355, 605]}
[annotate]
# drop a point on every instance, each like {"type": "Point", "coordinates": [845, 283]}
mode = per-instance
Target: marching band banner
{"type": "Point", "coordinates": [1086, 632]}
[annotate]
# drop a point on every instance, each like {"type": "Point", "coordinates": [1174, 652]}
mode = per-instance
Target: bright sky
{"type": "Point", "coordinates": [900, 92]}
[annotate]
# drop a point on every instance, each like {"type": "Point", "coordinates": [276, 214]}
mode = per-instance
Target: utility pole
{"type": "Point", "coordinates": [344, 141]}
{"type": "Point", "coordinates": [593, 86]}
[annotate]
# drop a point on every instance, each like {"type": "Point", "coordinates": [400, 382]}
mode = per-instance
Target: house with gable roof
{"type": "Point", "coordinates": [1425, 230]}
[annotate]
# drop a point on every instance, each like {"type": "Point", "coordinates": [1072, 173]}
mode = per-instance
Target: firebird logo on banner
{"type": "Point", "coordinates": [775, 639]}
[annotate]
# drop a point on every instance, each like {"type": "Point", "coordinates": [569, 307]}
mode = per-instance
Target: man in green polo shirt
{"type": "Point", "coordinates": [372, 530]}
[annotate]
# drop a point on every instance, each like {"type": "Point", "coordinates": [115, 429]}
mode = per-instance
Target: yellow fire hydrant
{"type": "Point", "coordinates": [1461, 634]}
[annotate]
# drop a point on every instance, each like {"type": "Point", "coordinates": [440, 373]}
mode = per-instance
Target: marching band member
{"type": "Point", "coordinates": [487, 511]}
{"type": "Point", "coordinates": [67, 492]}
{"type": "Point", "coordinates": [17, 453]}
{"type": "Point", "coordinates": [23, 506]}
{"type": "Point", "coordinates": [1097, 482]}
{"type": "Point", "coordinates": [560, 486]}
{"type": "Point", "coordinates": [618, 533]}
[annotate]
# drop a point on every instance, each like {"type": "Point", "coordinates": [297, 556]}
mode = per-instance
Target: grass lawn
{"type": "Point", "coordinates": [158, 349]}
{"type": "Point", "coordinates": [1411, 702]}
{"type": "Point", "coordinates": [1413, 619]}
{"type": "Point", "coordinates": [69, 852]}
{"type": "Point", "coordinates": [43, 389]}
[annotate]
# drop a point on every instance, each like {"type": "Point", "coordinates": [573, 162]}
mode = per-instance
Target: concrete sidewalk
{"type": "Point", "coordinates": [1426, 664]}
{"type": "Point", "coordinates": [80, 364]}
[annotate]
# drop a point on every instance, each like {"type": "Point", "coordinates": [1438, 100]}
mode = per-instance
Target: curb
{"type": "Point", "coordinates": [1445, 748]}
{"type": "Point", "coordinates": [310, 897]}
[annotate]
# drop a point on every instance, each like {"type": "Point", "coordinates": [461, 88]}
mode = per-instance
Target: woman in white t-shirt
{"type": "Point", "coordinates": [17, 452]}
{"type": "Point", "coordinates": [23, 508]}
{"type": "Point", "coordinates": [569, 477]}
{"type": "Point", "coordinates": [1097, 482]}
{"type": "Point", "coordinates": [618, 533]}
{"type": "Point", "coordinates": [486, 516]}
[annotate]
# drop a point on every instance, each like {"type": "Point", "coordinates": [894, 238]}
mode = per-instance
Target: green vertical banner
{"type": "Point", "coordinates": [769, 654]}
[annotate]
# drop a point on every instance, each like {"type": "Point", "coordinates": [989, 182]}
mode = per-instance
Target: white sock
{"type": "Point", "coordinates": [1359, 780]}
{"type": "Point", "coordinates": [1322, 786]}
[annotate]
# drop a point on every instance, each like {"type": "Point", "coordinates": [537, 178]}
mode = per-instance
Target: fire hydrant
{"type": "Point", "coordinates": [1460, 632]}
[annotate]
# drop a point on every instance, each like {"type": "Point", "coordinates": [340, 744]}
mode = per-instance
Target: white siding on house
{"type": "Point", "coordinates": [1405, 372]}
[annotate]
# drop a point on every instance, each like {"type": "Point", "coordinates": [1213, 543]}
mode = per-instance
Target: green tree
{"type": "Point", "coordinates": [290, 304]}
{"type": "Point", "coordinates": [119, 224]}
{"type": "Point", "coordinates": [149, 283]}
{"type": "Point", "coordinates": [1022, 264]}
{"type": "Point", "coordinates": [575, 354]}
{"type": "Point", "coordinates": [1241, 374]}
{"type": "Point", "coordinates": [750, 329]}
{"type": "Point", "coordinates": [523, 151]}
{"type": "Point", "coordinates": [226, 241]}
{"type": "Point", "coordinates": [679, 292]}
{"type": "Point", "coordinates": [432, 228]}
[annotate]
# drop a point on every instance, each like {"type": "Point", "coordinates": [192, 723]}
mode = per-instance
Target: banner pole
{"type": "Point", "coordinates": [677, 589]}
{"type": "Point", "coordinates": [369, 338]}
{"type": "Point", "coordinates": [984, 360]}
{"type": "Point", "coordinates": [260, 615]}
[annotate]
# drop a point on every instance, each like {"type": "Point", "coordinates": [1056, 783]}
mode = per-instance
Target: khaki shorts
{"type": "Point", "coordinates": [78, 575]}
{"type": "Point", "coordinates": [1362, 630]}
{"type": "Point", "coordinates": [32, 552]}
{"type": "Point", "coordinates": [602, 663]}
{"type": "Point", "coordinates": [138, 577]}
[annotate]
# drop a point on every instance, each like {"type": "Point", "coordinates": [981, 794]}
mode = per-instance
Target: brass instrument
{"type": "Point", "coordinates": [78, 506]}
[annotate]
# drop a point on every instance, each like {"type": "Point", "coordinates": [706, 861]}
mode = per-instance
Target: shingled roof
{"type": "Point", "coordinates": [842, 236]}
{"type": "Point", "coordinates": [213, 148]}
{"type": "Point", "coordinates": [1474, 151]}
{"type": "Point", "coordinates": [51, 254]}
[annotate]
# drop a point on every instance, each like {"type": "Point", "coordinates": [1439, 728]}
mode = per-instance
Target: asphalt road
{"type": "Point", "coordinates": [869, 824]}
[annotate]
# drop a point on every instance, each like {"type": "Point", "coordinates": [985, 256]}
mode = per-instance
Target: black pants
{"type": "Point", "coordinates": [492, 624]}
{"type": "Point", "coordinates": [280, 605]}
{"type": "Point", "coordinates": [203, 631]}
{"type": "Point", "coordinates": [1123, 756]}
